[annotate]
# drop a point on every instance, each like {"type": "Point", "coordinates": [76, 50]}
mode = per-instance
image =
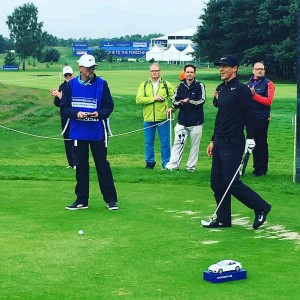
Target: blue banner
{"type": "Point", "coordinates": [134, 49]}
{"type": "Point", "coordinates": [136, 44]}
{"type": "Point", "coordinates": [10, 67]}
{"type": "Point", "coordinates": [80, 45]}
{"type": "Point", "coordinates": [127, 53]}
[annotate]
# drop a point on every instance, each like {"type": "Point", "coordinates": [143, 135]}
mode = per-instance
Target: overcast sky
{"type": "Point", "coordinates": [112, 18]}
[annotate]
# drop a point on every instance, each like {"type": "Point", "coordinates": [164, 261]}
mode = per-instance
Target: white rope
{"type": "Point", "coordinates": [53, 138]}
{"type": "Point", "coordinates": [66, 126]}
{"type": "Point", "coordinates": [105, 133]}
{"type": "Point", "coordinates": [108, 127]}
{"type": "Point", "coordinates": [33, 135]}
{"type": "Point", "coordinates": [133, 131]}
{"type": "Point", "coordinates": [170, 129]}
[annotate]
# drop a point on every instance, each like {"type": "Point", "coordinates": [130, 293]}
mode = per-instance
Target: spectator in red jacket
{"type": "Point", "coordinates": [262, 90]}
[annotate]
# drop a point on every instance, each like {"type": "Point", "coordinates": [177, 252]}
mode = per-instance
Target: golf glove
{"type": "Point", "coordinates": [250, 144]}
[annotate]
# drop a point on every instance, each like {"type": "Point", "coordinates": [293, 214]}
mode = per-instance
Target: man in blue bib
{"type": "Point", "coordinates": [87, 102]}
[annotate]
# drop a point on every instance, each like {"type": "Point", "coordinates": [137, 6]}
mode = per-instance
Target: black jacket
{"type": "Point", "coordinates": [234, 110]}
{"type": "Point", "coordinates": [61, 88]}
{"type": "Point", "coordinates": [190, 114]}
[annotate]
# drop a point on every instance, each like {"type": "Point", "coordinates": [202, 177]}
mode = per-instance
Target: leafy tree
{"type": "Point", "coordinates": [50, 55]}
{"type": "Point", "coordinates": [50, 40]}
{"type": "Point", "coordinates": [109, 58]}
{"type": "Point", "coordinates": [210, 33]}
{"type": "Point", "coordinates": [91, 42]}
{"type": "Point", "coordinates": [252, 30]}
{"type": "Point", "coordinates": [151, 36]}
{"type": "Point", "coordinates": [10, 59]}
{"type": "Point", "coordinates": [100, 54]}
{"type": "Point", "coordinates": [26, 31]}
{"type": "Point", "coordinates": [8, 45]}
{"type": "Point", "coordinates": [135, 37]}
{"type": "Point", "coordinates": [2, 44]}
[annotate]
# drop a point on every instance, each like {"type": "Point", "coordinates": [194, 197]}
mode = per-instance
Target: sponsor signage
{"type": "Point", "coordinates": [83, 45]}
{"type": "Point", "coordinates": [226, 276]}
{"type": "Point", "coordinates": [127, 53]}
{"type": "Point", "coordinates": [140, 44]}
{"type": "Point", "coordinates": [10, 67]}
{"type": "Point", "coordinates": [80, 52]}
{"type": "Point", "coordinates": [136, 44]}
{"type": "Point", "coordinates": [80, 48]}
{"type": "Point", "coordinates": [134, 49]}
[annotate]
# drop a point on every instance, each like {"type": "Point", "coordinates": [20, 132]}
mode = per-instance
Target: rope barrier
{"type": "Point", "coordinates": [33, 135]}
{"type": "Point", "coordinates": [54, 138]}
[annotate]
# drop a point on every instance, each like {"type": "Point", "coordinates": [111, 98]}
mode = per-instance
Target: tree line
{"type": "Point", "coordinates": [50, 40]}
{"type": "Point", "coordinates": [253, 31]}
{"type": "Point", "coordinates": [27, 38]}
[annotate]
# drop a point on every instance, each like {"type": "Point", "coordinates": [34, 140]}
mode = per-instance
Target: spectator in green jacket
{"type": "Point", "coordinates": [155, 95]}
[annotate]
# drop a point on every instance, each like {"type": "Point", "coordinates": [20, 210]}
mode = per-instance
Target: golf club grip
{"type": "Point", "coordinates": [245, 163]}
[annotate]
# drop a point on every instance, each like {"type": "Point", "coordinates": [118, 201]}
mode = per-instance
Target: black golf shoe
{"type": "Point", "coordinates": [112, 205]}
{"type": "Point", "coordinates": [76, 206]}
{"type": "Point", "coordinates": [260, 217]}
{"type": "Point", "coordinates": [150, 165]}
{"type": "Point", "coordinates": [259, 174]}
{"type": "Point", "coordinates": [214, 224]}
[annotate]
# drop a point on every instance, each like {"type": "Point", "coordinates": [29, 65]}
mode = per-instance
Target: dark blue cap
{"type": "Point", "coordinates": [228, 60]}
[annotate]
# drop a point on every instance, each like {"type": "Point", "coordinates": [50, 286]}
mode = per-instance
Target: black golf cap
{"type": "Point", "coordinates": [228, 60]}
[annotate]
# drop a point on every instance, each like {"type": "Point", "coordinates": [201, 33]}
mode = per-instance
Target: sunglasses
{"type": "Point", "coordinates": [92, 68]}
{"type": "Point", "coordinates": [68, 75]}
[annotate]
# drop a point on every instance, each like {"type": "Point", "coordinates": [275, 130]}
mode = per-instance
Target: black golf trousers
{"type": "Point", "coordinates": [68, 143]}
{"type": "Point", "coordinates": [261, 150]}
{"type": "Point", "coordinates": [105, 178]}
{"type": "Point", "coordinates": [227, 156]}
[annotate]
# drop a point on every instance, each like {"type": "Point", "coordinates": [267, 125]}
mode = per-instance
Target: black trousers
{"type": "Point", "coordinates": [261, 150]}
{"type": "Point", "coordinates": [68, 144]}
{"type": "Point", "coordinates": [105, 178]}
{"type": "Point", "coordinates": [227, 156]}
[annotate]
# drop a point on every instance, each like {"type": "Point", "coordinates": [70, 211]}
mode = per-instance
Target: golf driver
{"type": "Point", "coordinates": [214, 216]}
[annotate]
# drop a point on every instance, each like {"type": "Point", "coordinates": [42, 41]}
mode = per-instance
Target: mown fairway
{"type": "Point", "coordinates": [153, 247]}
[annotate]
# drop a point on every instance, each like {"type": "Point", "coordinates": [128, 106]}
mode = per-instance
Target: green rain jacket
{"type": "Point", "coordinates": [154, 111]}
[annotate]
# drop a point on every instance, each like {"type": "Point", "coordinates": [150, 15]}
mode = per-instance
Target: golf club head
{"type": "Point", "coordinates": [206, 223]}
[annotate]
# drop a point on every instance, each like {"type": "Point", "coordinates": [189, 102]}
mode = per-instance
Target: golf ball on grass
{"type": "Point", "coordinates": [80, 232]}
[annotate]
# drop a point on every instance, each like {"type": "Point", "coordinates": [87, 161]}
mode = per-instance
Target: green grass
{"type": "Point", "coordinates": [153, 247]}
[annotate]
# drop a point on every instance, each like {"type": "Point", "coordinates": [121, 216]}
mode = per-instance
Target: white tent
{"type": "Point", "coordinates": [155, 53]}
{"type": "Point", "coordinates": [179, 39]}
{"type": "Point", "coordinates": [172, 54]}
{"type": "Point", "coordinates": [186, 54]}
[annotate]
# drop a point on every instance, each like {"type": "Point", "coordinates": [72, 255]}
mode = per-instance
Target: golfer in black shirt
{"type": "Point", "coordinates": [233, 100]}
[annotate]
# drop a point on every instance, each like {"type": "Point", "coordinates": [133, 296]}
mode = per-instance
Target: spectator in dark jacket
{"type": "Point", "coordinates": [68, 75]}
{"type": "Point", "coordinates": [189, 99]}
